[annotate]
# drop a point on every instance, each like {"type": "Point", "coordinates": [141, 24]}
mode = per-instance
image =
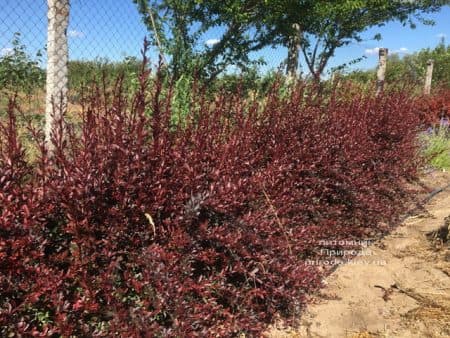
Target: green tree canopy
{"type": "Point", "coordinates": [177, 29]}
{"type": "Point", "coordinates": [339, 23]}
{"type": "Point", "coordinates": [316, 27]}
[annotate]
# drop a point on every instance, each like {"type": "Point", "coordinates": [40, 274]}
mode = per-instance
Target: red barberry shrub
{"type": "Point", "coordinates": [435, 107]}
{"type": "Point", "coordinates": [20, 246]}
{"type": "Point", "coordinates": [139, 227]}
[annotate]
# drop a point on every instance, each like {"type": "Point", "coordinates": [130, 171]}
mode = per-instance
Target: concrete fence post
{"type": "Point", "coordinates": [57, 69]}
{"type": "Point", "coordinates": [428, 77]}
{"type": "Point", "coordinates": [381, 71]}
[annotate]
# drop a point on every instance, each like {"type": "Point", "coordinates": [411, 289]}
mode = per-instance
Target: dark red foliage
{"type": "Point", "coordinates": [136, 227]}
{"type": "Point", "coordinates": [433, 108]}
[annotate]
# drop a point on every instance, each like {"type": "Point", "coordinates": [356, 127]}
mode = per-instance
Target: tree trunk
{"type": "Point", "coordinates": [293, 53]}
{"type": "Point", "coordinates": [316, 77]}
{"type": "Point", "coordinates": [381, 71]}
{"type": "Point", "coordinates": [428, 77]}
{"type": "Point", "coordinates": [57, 70]}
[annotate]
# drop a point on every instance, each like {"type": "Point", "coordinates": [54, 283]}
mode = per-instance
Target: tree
{"type": "Point", "coordinates": [177, 29]}
{"type": "Point", "coordinates": [335, 24]}
{"type": "Point", "coordinates": [319, 27]}
{"type": "Point", "coordinates": [316, 27]}
{"type": "Point", "coordinates": [19, 71]}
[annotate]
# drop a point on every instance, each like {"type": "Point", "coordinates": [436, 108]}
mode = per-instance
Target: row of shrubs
{"type": "Point", "coordinates": [139, 226]}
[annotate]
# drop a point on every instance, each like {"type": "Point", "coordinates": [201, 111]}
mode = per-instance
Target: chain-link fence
{"type": "Point", "coordinates": [53, 47]}
{"type": "Point", "coordinates": [101, 35]}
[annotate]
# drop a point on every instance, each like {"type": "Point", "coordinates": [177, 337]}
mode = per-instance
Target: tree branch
{"type": "Point", "coordinates": [155, 31]}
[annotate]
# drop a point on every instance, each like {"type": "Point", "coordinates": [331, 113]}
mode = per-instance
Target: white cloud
{"type": "Point", "coordinates": [372, 51]}
{"type": "Point", "coordinates": [75, 34]}
{"type": "Point", "coordinates": [402, 50]}
{"type": "Point", "coordinates": [6, 51]}
{"type": "Point", "coordinates": [211, 42]}
{"type": "Point", "coordinates": [441, 35]}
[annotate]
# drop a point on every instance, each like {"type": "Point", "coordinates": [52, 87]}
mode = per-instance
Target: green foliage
{"type": "Point", "coordinates": [181, 101]}
{"type": "Point", "coordinates": [333, 24]}
{"type": "Point", "coordinates": [170, 24]}
{"type": "Point", "coordinates": [19, 71]}
{"type": "Point", "coordinates": [234, 82]}
{"type": "Point", "coordinates": [178, 28]}
{"type": "Point", "coordinates": [437, 148]}
{"type": "Point", "coordinates": [250, 84]}
{"type": "Point", "coordinates": [83, 72]}
{"type": "Point", "coordinates": [411, 68]}
{"type": "Point", "coordinates": [361, 76]}
{"type": "Point", "coordinates": [407, 69]}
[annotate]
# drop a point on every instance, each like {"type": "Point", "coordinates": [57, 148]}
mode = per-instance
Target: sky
{"type": "Point", "coordinates": [112, 29]}
{"type": "Point", "coordinates": [398, 39]}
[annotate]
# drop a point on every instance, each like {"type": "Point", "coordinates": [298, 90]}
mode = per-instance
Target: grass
{"type": "Point", "coordinates": [437, 148]}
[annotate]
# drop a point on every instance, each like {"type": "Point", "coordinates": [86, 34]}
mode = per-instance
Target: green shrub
{"type": "Point", "coordinates": [84, 72]}
{"type": "Point", "coordinates": [181, 100]}
{"type": "Point", "coordinates": [19, 71]}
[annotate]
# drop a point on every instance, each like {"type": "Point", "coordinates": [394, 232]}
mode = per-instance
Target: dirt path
{"type": "Point", "coordinates": [400, 287]}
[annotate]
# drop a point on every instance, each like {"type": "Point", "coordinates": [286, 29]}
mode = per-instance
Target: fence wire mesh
{"type": "Point", "coordinates": [101, 35]}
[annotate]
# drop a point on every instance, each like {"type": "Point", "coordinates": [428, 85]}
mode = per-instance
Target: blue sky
{"type": "Point", "coordinates": [112, 29]}
{"type": "Point", "coordinates": [397, 39]}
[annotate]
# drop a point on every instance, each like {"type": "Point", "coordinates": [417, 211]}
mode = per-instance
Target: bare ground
{"type": "Point", "coordinates": [400, 287]}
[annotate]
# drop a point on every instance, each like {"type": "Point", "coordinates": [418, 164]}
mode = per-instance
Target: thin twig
{"type": "Point", "coordinates": [280, 224]}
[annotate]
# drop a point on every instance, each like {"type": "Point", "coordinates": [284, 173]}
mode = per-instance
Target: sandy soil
{"type": "Point", "coordinates": [399, 287]}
